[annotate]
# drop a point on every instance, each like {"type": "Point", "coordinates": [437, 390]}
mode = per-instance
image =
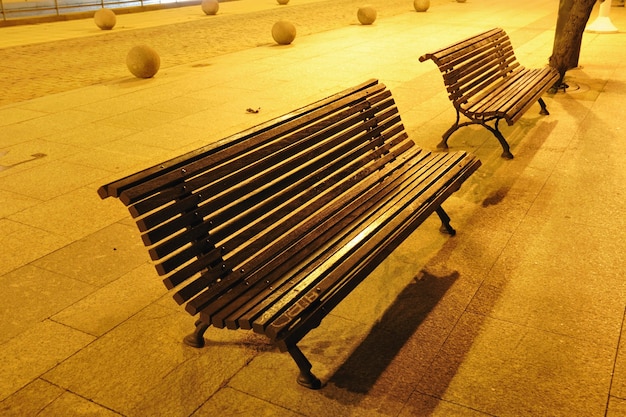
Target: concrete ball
{"type": "Point", "coordinates": [143, 61]}
{"type": "Point", "coordinates": [105, 19]}
{"type": "Point", "coordinates": [421, 5]}
{"type": "Point", "coordinates": [282, 1]}
{"type": "Point", "coordinates": [366, 15]}
{"type": "Point", "coordinates": [283, 32]}
{"type": "Point", "coordinates": [210, 7]}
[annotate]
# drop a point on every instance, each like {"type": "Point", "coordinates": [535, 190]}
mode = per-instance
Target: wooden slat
{"type": "Point", "coordinates": [465, 90]}
{"type": "Point", "coordinates": [280, 270]}
{"type": "Point", "coordinates": [384, 222]}
{"type": "Point", "coordinates": [146, 188]}
{"type": "Point", "coordinates": [265, 306]}
{"type": "Point", "coordinates": [474, 75]}
{"type": "Point", "coordinates": [264, 239]}
{"type": "Point", "coordinates": [319, 230]}
{"type": "Point", "coordinates": [512, 97]}
{"type": "Point", "coordinates": [450, 50]}
{"type": "Point", "coordinates": [214, 169]}
{"type": "Point", "coordinates": [115, 189]}
{"type": "Point", "coordinates": [246, 181]}
{"type": "Point", "coordinates": [357, 271]}
{"type": "Point", "coordinates": [263, 235]}
{"type": "Point", "coordinates": [477, 53]}
{"type": "Point", "coordinates": [344, 153]}
{"type": "Point", "coordinates": [242, 182]}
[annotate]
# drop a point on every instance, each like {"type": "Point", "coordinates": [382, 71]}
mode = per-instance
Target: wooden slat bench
{"type": "Point", "coordinates": [271, 228]}
{"type": "Point", "coordinates": [486, 83]}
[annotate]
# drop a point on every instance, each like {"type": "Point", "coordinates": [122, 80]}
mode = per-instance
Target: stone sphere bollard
{"type": "Point", "coordinates": [210, 7]}
{"type": "Point", "coordinates": [105, 19]}
{"type": "Point", "coordinates": [366, 15]}
{"type": "Point", "coordinates": [282, 1]}
{"type": "Point", "coordinates": [143, 61]}
{"type": "Point", "coordinates": [421, 5]}
{"type": "Point", "coordinates": [283, 32]}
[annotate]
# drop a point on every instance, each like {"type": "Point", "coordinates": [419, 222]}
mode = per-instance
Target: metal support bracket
{"type": "Point", "coordinates": [506, 152]}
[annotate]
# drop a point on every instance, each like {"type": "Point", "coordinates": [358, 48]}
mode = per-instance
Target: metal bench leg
{"type": "Point", "coordinates": [196, 339]}
{"type": "Point", "coordinates": [506, 151]}
{"type": "Point", "coordinates": [444, 142]}
{"type": "Point", "coordinates": [445, 222]}
{"type": "Point", "coordinates": [306, 377]}
{"type": "Point", "coordinates": [544, 109]}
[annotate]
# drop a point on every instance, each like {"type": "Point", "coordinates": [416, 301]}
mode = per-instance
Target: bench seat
{"type": "Point", "coordinates": [269, 229]}
{"type": "Point", "coordinates": [487, 84]}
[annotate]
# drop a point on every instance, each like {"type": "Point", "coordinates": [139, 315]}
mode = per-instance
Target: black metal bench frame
{"type": "Point", "coordinates": [271, 228]}
{"type": "Point", "coordinates": [486, 83]}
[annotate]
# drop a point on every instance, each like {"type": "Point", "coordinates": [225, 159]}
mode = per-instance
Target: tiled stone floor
{"type": "Point", "coordinates": [520, 314]}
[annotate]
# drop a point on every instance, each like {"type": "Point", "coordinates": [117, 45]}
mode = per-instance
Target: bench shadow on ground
{"type": "Point", "coordinates": [375, 353]}
{"type": "Point", "coordinates": [366, 365]}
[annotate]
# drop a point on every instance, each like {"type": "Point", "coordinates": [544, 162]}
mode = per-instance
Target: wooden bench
{"type": "Point", "coordinates": [486, 83]}
{"type": "Point", "coordinates": [271, 228]}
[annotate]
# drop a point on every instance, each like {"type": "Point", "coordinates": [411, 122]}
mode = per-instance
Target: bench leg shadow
{"type": "Point", "coordinates": [377, 352]}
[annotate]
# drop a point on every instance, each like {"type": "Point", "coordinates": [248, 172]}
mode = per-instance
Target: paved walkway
{"type": "Point", "coordinates": [90, 56]}
{"type": "Point", "coordinates": [520, 314]}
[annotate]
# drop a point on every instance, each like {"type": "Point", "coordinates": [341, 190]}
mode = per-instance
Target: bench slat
{"type": "Point", "coordinates": [480, 55]}
{"type": "Point", "coordinates": [214, 167]}
{"type": "Point", "coordinates": [464, 90]}
{"type": "Point", "coordinates": [281, 263]}
{"type": "Point", "coordinates": [484, 60]}
{"type": "Point", "coordinates": [249, 169]}
{"type": "Point", "coordinates": [340, 214]}
{"type": "Point", "coordinates": [496, 98]}
{"type": "Point", "coordinates": [277, 169]}
{"type": "Point", "coordinates": [300, 328]}
{"type": "Point", "coordinates": [267, 246]}
{"type": "Point", "coordinates": [354, 257]}
{"type": "Point", "coordinates": [474, 71]}
{"type": "Point", "coordinates": [300, 210]}
{"type": "Point", "coordinates": [116, 188]}
{"type": "Point", "coordinates": [443, 54]}
{"type": "Point", "coordinates": [339, 155]}
{"type": "Point", "coordinates": [272, 302]}
{"type": "Point", "coordinates": [511, 98]}
{"type": "Point", "coordinates": [226, 153]}
{"type": "Point", "coordinates": [542, 80]}
{"type": "Point", "coordinates": [178, 241]}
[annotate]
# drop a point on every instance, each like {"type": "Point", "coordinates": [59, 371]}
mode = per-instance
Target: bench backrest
{"type": "Point", "coordinates": [468, 67]}
{"type": "Point", "coordinates": [243, 209]}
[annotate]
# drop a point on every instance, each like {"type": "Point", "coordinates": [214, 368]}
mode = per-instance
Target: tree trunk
{"type": "Point", "coordinates": [573, 17]}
